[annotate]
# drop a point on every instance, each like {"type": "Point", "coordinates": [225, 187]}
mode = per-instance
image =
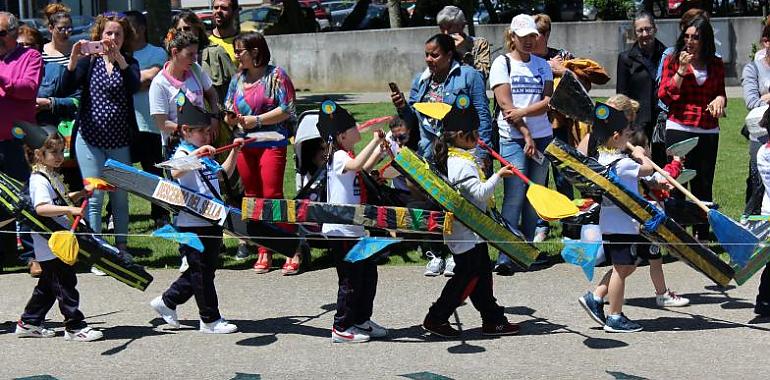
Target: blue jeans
{"type": "Point", "coordinates": [516, 208]}
{"type": "Point", "coordinates": [91, 161]}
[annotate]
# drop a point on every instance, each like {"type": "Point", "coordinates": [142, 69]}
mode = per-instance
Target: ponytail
{"type": "Point", "coordinates": [175, 138]}
{"type": "Point", "coordinates": [441, 149]}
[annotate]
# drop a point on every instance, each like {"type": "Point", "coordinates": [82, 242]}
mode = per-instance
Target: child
{"type": "Point", "coordinates": [762, 306]}
{"type": "Point", "coordinates": [610, 135]}
{"type": "Point", "coordinates": [473, 275]}
{"type": "Point", "coordinates": [45, 151]}
{"type": "Point", "coordinates": [357, 281]}
{"type": "Point", "coordinates": [198, 279]}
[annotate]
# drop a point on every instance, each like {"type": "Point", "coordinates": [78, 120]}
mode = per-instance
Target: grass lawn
{"type": "Point", "coordinates": [732, 166]}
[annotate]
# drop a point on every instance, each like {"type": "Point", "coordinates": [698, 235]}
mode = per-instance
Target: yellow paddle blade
{"type": "Point", "coordinates": [65, 246]}
{"type": "Point", "coordinates": [434, 110]}
{"type": "Point", "coordinates": [98, 183]}
{"type": "Point", "coordinates": [549, 204]}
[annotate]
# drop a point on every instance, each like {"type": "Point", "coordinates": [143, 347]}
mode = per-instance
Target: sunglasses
{"type": "Point", "coordinates": [114, 14]}
{"type": "Point", "coordinates": [401, 137]}
{"type": "Point", "coordinates": [64, 29]}
{"type": "Point", "coordinates": [4, 33]}
{"type": "Point", "coordinates": [240, 51]}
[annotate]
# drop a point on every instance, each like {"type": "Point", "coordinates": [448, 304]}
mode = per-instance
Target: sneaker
{"type": "Point", "coordinates": [243, 252]}
{"type": "Point", "coordinates": [85, 334]}
{"type": "Point", "coordinates": [26, 330]}
{"type": "Point", "coordinates": [435, 265]}
{"type": "Point", "coordinates": [671, 299]}
{"type": "Point", "coordinates": [220, 326]}
{"type": "Point", "coordinates": [97, 271]}
{"type": "Point", "coordinates": [184, 266]}
{"type": "Point", "coordinates": [541, 233]}
{"type": "Point", "coordinates": [352, 335]}
{"type": "Point", "coordinates": [442, 329]}
{"type": "Point", "coordinates": [762, 308]}
{"type": "Point", "coordinates": [503, 270]}
{"type": "Point", "coordinates": [373, 329]}
{"type": "Point", "coordinates": [621, 324]}
{"type": "Point", "coordinates": [595, 309]}
{"type": "Point", "coordinates": [449, 266]}
{"type": "Point", "coordinates": [168, 314]}
{"type": "Point", "coordinates": [500, 329]}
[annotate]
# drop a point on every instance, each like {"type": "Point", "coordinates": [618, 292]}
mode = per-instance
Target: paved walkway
{"type": "Point", "coordinates": [285, 323]}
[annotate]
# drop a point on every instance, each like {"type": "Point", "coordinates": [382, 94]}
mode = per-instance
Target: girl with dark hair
{"type": "Point", "coordinates": [693, 88]}
{"type": "Point", "coordinates": [261, 98]}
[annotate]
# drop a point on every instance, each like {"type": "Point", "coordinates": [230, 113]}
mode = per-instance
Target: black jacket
{"type": "Point", "coordinates": [635, 80]}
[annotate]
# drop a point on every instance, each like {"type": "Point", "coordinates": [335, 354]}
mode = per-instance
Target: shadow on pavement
{"type": "Point", "coordinates": [273, 327]}
{"type": "Point", "coordinates": [132, 333]}
{"type": "Point", "coordinates": [541, 326]}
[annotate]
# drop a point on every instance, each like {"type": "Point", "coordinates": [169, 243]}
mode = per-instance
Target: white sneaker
{"type": "Point", "coordinates": [168, 314]}
{"type": "Point", "coordinates": [449, 266]}
{"type": "Point", "coordinates": [184, 266]}
{"type": "Point", "coordinates": [26, 330]}
{"type": "Point", "coordinates": [435, 265]}
{"type": "Point", "coordinates": [85, 334]}
{"type": "Point", "coordinates": [671, 299]}
{"type": "Point", "coordinates": [352, 335]}
{"type": "Point", "coordinates": [97, 272]}
{"type": "Point", "coordinates": [220, 326]}
{"type": "Point", "coordinates": [541, 233]}
{"type": "Point", "coordinates": [373, 329]}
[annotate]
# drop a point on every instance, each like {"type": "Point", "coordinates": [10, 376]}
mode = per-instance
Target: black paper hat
{"type": "Point", "coordinates": [33, 135]}
{"type": "Point", "coordinates": [462, 117]}
{"type": "Point", "coordinates": [608, 119]}
{"type": "Point", "coordinates": [191, 115]}
{"type": "Point", "coordinates": [333, 120]}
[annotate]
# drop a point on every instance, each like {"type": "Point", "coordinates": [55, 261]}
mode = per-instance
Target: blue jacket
{"type": "Point", "coordinates": [462, 79]}
{"type": "Point", "coordinates": [64, 104]}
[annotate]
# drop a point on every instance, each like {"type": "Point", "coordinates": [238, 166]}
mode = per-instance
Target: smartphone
{"type": "Point", "coordinates": [394, 87]}
{"type": "Point", "coordinates": [538, 157]}
{"type": "Point", "coordinates": [92, 47]}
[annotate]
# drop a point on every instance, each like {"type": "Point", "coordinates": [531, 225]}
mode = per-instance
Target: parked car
{"type": "Point", "coordinates": [338, 11]}
{"type": "Point", "coordinates": [257, 19]}
{"type": "Point", "coordinates": [321, 14]}
{"type": "Point", "coordinates": [207, 17]}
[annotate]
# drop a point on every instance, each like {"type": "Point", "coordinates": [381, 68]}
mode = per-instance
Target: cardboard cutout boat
{"type": "Point", "coordinates": [175, 198]}
{"type": "Point", "coordinates": [589, 174]}
{"type": "Point", "coordinates": [397, 219]}
{"type": "Point", "coordinates": [93, 249]}
{"type": "Point", "coordinates": [490, 229]}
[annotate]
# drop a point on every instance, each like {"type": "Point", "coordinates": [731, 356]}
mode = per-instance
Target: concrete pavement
{"type": "Point", "coordinates": [285, 331]}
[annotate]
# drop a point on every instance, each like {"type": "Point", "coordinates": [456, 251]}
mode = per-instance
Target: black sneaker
{"type": "Point", "coordinates": [500, 329]}
{"type": "Point", "coordinates": [595, 309]}
{"type": "Point", "coordinates": [762, 308]}
{"type": "Point", "coordinates": [503, 270]}
{"type": "Point", "coordinates": [621, 324]}
{"type": "Point", "coordinates": [442, 329]}
{"type": "Point", "coordinates": [243, 252]}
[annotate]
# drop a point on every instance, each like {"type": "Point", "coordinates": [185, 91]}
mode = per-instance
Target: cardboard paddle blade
{"type": "Point", "coordinates": [389, 172]}
{"type": "Point", "coordinates": [549, 204]}
{"type": "Point", "coordinates": [686, 175]}
{"type": "Point", "coordinates": [571, 99]}
{"type": "Point", "coordinates": [434, 110]}
{"type": "Point", "coordinates": [739, 242]}
{"type": "Point", "coordinates": [183, 163]}
{"type": "Point", "coordinates": [683, 147]}
{"type": "Point", "coordinates": [64, 245]}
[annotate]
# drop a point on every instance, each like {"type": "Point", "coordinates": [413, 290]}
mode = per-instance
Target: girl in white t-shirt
{"type": "Point", "coordinates": [523, 85]}
{"type": "Point", "coordinates": [198, 280]}
{"type": "Point", "coordinates": [45, 151]}
{"type": "Point", "coordinates": [357, 281]}
{"type": "Point", "coordinates": [620, 231]}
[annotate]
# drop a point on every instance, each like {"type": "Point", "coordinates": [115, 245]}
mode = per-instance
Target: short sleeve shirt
{"type": "Point", "coordinates": [193, 180]}
{"type": "Point", "coordinates": [612, 219]}
{"type": "Point", "coordinates": [163, 94]}
{"type": "Point", "coordinates": [106, 124]}
{"type": "Point", "coordinates": [148, 57]}
{"type": "Point", "coordinates": [343, 187]}
{"type": "Point", "coordinates": [41, 192]}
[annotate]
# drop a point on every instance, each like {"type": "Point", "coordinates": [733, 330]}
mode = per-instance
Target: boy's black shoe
{"type": "Point", "coordinates": [442, 329]}
{"type": "Point", "coordinates": [762, 308]}
{"type": "Point", "coordinates": [500, 329]}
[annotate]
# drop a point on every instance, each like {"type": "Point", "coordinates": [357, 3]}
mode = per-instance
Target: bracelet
{"type": "Point", "coordinates": [258, 122]}
{"type": "Point", "coordinates": [680, 74]}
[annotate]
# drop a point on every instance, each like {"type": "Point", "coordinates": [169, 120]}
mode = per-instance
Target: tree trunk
{"type": "Point", "coordinates": [292, 20]}
{"type": "Point", "coordinates": [493, 19]}
{"type": "Point", "coordinates": [394, 12]}
{"type": "Point", "coordinates": [158, 16]}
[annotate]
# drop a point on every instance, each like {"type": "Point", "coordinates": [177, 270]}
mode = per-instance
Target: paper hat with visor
{"type": "Point", "coordinates": [608, 120]}
{"type": "Point", "coordinates": [33, 135]}
{"type": "Point", "coordinates": [189, 114]}
{"type": "Point", "coordinates": [333, 120]}
{"type": "Point", "coordinates": [460, 116]}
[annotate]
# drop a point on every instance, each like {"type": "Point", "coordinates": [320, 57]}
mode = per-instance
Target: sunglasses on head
{"type": "Point", "coordinates": [4, 33]}
{"type": "Point", "coordinates": [64, 29]}
{"type": "Point", "coordinates": [114, 14]}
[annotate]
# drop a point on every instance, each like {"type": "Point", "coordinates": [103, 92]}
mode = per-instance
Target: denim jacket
{"type": "Point", "coordinates": [64, 104]}
{"type": "Point", "coordinates": [461, 79]}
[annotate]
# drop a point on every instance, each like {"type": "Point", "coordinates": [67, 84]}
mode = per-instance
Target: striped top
{"type": "Point", "coordinates": [60, 59]}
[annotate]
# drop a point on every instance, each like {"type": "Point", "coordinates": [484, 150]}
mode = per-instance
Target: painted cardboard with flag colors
{"type": "Point", "coordinates": [582, 254]}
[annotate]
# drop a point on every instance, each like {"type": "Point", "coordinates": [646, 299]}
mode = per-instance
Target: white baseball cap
{"type": "Point", "coordinates": [524, 25]}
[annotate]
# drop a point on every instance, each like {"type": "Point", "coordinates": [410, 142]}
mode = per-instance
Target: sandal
{"type": "Point", "coordinates": [264, 263]}
{"type": "Point", "coordinates": [290, 268]}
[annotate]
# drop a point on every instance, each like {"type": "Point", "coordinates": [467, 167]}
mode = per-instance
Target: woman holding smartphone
{"type": "Point", "coordinates": [107, 77]}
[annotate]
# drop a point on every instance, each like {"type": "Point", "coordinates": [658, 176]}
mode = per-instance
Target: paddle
{"type": "Point", "coordinates": [64, 244]}
{"type": "Point", "coordinates": [737, 241]}
{"type": "Point", "coordinates": [365, 126]}
{"type": "Point", "coordinates": [549, 204]}
{"type": "Point", "coordinates": [194, 162]}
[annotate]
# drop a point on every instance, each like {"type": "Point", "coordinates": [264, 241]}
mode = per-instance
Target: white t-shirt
{"type": "Point", "coordinates": [527, 80]}
{"type": "Point", "coordinates": [463, 175]}
{"type": "Point", "coordinates": [163, 94]}
{"type": "Point", "coordinates": [193, 180]}
{"type": "Point", "coordinates": [763, 166]}
{"type": "Point", "coordinates": [41, 191]}
{"type": "Point", "coordinates": [343, 187]}
{"type": "Point", "coordinates": [612, 219]}
{"type": "Point", "coordinates": [148, 57]}
{"type": "Point", "coordinates": [399, 182]}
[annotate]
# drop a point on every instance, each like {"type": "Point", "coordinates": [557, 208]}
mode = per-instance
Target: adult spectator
{"type": "Point", "coordinates": [261, 98]}
{"type": "Point", "coordinates": [106, 121]}
{"type": "Point", "coordinates": [554, 56]}
{"type": "Point", "coordinates": [147, 149]}
{"type": "Point", "coordinates": [30, 37]}
{"type": "Point", "coordinates": [442, 81]}
{"type": "Point", "coordinates": [756, 94]}
{"type": "Point", "coordinates": [523, 85]}
{"type": "Point", "coordinates": [636, 77]}
{"type": "Point", "coordinates": [473, 51]}
{"type": "Point", "coordinates": [225, 25]}
{"type": "Point", "coordinates": [693, 87]}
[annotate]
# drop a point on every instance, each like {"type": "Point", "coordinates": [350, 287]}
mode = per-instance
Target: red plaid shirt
{"type": "Point", "coordinates": [687, 104]}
